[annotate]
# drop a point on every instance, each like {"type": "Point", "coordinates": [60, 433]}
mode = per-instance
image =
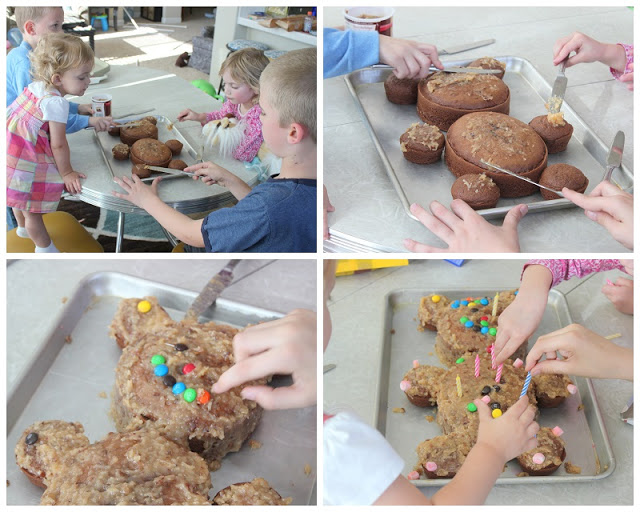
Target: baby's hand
{"type": "Point", "coordinates": [410, 59]}
{"type": "Point", "coordinates": [463, 230]}
{"type": "Point", "coordinates": [512, 433]}
{"type": "Point", "coordinates": [137, 192]}
{"type": "Point", "coordinates": [283, 346]}
{"type": "Point", "coordinates": [72, 182]}
{"type": "Point", "coordinates": [101, 124]}
{"type": "Point", "coordinates": [189, 115]}
{"type": "Point", "coordinates": [86, 109]}
{"type": "Point", "coordinates": [210, 173]}
{"type": "Point", "coordinates": [620, 294]}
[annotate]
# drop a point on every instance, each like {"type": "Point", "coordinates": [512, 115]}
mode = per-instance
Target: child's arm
{"type": "Point", "coordinates": [463, 230]}
{"type": "Point", "coordinates": [327, 208]}
{"type": "Point", "coordinates": [182, 227]}
{"type": "Point", "coordinates": [213, 173]}
{"type": "Point", "coordinates": [588, 50]}
{"type": "Point", "coordinates": [583, 352]}
{"type": "Point", "coordinates": [252, 139]}
{"type": "Point", "coordinates": [284, 346]}
{"type": "Point", "coordinates": [62, 157]}
{"type": "Point", "coordinates": [189, 115]}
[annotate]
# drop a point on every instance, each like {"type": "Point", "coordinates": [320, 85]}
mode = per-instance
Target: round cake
{"type": "Point", "coordinates": [44, 447]}
{"type": "Point", "coordinates": [120, 152]}
{"type": "Point", "coordinates": [489, 63]}
{"type": "Point", "coordinates": [500, 140]}
{"type": "Point", "coordinates": [557, 176]}
{"type": "Point", "coordinates": [256, 492]}
{"type": "Point", "coordinates": [420, 385]}
{"type": "Point", "coordinates": [422, 143]}
{"type": "Point", "coordinates": [164, 378]}
{"type": "Point", "coordinates": [137, 131]}
{"type": "Point", "coordinates": [150, 152]}
{"type": "Point", "coordinates": [477, 190]}
{"type": "Point", "coordinates": [443, 98]}
{"type": "Point", "coordinates": [555, 136]}
{"type": "Point", "coordinates": [136, 468]}
{"type": "Point", "coordinates": [545, 458]}
{"type": "Point", "coordinates": [403, 91]}
{"type": "Point", "coordinates": [178, 164]}
{"type": "Point", "coordinates": [175, 146]}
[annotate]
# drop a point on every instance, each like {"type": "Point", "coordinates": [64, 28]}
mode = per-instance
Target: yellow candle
{"type": "Point", "coordinates": [459, 385]}
{"type": "Point", "coordinates": [495, 305]}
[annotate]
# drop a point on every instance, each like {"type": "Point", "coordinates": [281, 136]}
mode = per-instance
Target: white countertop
{"type": "Point", "coordinates": [357, 308]}
{"type": "Point", "coordinates": [368, 210]}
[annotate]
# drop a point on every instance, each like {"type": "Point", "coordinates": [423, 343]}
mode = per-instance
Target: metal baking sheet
{"type": "Point", "coordinates": [74, 381]}
{"type": "Point", "coordinates": [415, 183]}
{"type": "Point", "coordinates": [585, 435]}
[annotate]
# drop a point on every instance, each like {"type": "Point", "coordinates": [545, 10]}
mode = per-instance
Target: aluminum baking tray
{"type": "Point", "coordinates": [73, 381]}
{"type": "Point", "coordinates": [421, 184]}
{"type": "Point", "coordinates": [585, 435]}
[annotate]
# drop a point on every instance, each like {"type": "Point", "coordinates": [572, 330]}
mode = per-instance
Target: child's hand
{"type": "Point", "coordinates": [588, 50]}
{"type": "Point", "coordinates": [189, 115]}
{"type": "Point", "coordinates": [516, 324]}
{"type": "Point", "coordinates": [410, 59]}
{"type": "Point", "coordinates": [620, 294]}
{"type": "Point", "coordinates": [512, 433]}
{"type": "Point", "coordinates": [327, 208]}
{"type": "Point", "coordinates": [72, 182]}
{"type": "Point", "coordinates": [136, 191]}
{"type": "Point", "coordinates": [610, 207]}
{"type": "Point", "coordinates": [584, 353]}
{"type": "Point", "coordinates": [101, 124]}
{"type": "Point", "coordinates": [284, 346]}
{"type": "Point", "coordinates": [85, 109]}
{"type": "Point", "coordinates": [463, 230]}
{"type": "Point", "coordinates": [628, 78]}
{"type": "Point", "coordinates": [210, 173]}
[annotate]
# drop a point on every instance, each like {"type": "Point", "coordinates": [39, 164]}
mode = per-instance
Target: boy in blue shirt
{"type": "Point", "coordinates": [278, 215]}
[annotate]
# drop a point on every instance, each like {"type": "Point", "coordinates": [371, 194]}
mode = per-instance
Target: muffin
{"type": "Point", "coordinates": [489, 63]}
{"type": "Point", "coordinates": [150, 152]}
{"type": "Point", "coordinates": [551, 389]}
{"type": "Point", "coordinates": [420, 385]}
{"type": "Point", "coordinates": [120, 152]}
{"type": "Point", "coordinates": [545, 458]}
{"type": "Point", "coordinates": [422, 143]}
{"type": "Point", "coordinates": [44, 446]}
{"type": "Point", "coordinates": [135, 132]}
{"type": "Point", "coordinates": [444, 98]}
{"type": "Point", "coordinates": [256, 492]}
{"type": "Point", "coordinates": [501, 140]}
{"type": "Point", "coordinates": [555, 134]}
{"type": "Point", "coordinates": [442, 456]}
{"type": "Point", "coordinates": [114, 129]}
{"type": "Point", "coordinates": [477, 190]}
{"type": "Point", "coordinates": [140, 170]}
{"type": "Point", "coordinates": [178, 164]}
{"type": "Point", "coordinates": [403, 91]}
{"type": "Point", "coordinates": [557, 176]}
{"type": "Point", "coordinates": [175, 146]}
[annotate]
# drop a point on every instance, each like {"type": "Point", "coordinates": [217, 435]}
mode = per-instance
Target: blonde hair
{"type": "Point", "coordinates": [246, 66]}
{"type": "Point", "coordinates": [56, 54]}
{"type": "Point", "coordinates": [24, 14]}
{"type": "Point", "coordinates": [292, 83]}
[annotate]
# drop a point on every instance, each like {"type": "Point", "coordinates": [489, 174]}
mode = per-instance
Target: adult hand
{"type": "Point", "coordinates": [583, 352]}
{"type": "Point", "coordinates": [285, 346]}
{"type": "Point", "coordinates": [610, 207]}
{"type": "Point", "coordinates": [463, 230]}
{"type": "Point", "coordinates": [620, 294]}
{"type": "Point", "coordinates": [410, 59]}
{"type": "Point", "coordinates": [72, 182]}
{"type": "Point", "coordinates": [136, 191]}
{"type": "Point", "coordinates": [327, 208]}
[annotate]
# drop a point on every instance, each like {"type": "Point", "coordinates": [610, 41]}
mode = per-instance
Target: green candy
{"type": "Point", "coordinates": [463, 319]}
{"type": "Point", "coordinates": [493, 331]}
{"type": "Point", "coordinates": [189, 395]}
{"type": "Point", "coordinates": [157, 359]}
{"type": "Point", "coordinates": [484, 323]}
{"type": "Point", "coordinates": [461, 360]}
{"type": "Point", "coordinates": [471, 407]}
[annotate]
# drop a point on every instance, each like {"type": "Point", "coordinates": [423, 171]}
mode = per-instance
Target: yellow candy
{"type": "Point", "coordinates": [435, 298]}
{"type": "Point", "coordinates": [144, 306]}
{"type": "Point", "coordinates": [496, 413]}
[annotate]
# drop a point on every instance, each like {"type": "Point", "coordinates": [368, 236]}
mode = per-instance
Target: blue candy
{"type": "Point", "coordinates": [161, 370]}
{"type": "Point", "coordinates": [464, 302]}
{"type": "Point", "coordinates": [455, 304]}
{"type": "Point", "coordinates": [484, 330]}
{"type": "Point", "coordinates": [484, 302]}
{"type": "Point", "coordinates": [178, 388]}
{"type": "Point", "coordinates": [468, 323]}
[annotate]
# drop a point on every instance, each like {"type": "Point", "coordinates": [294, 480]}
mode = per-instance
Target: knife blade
{"type": "Point", "coordinates": [500, 169]}
{"type": "Point", "coordinates": [451, 69]}
{"type": "Point", "coordinates": [328, 367]}
{"type": "Point", "coordinates": [176, 172]}
{"type": "Point", "coordinates": [211, 291]}
{"type": "Point", "coordinates": [614, 158]}
{"type": "Point", "coordinates": [465, 47]}
{"type": "Point", "coordinates": [559, 88]}
{"type": "Point", "coordinates": [134, 114]}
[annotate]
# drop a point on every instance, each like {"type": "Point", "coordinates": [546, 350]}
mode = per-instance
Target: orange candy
{"type": "Point", "coordinates": [204, 397]}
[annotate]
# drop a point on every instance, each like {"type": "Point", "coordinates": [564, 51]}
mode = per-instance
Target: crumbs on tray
{"type": "Point", "coordinates": [254, 445]}
{"type": "Point", "coordinates": [398, 409]}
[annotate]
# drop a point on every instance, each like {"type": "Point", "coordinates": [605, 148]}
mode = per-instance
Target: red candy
{"type": "Point", "coordinates": [489, 349]}
{"type": "Point", "coordinates": [485, 318]}
{"type": "Point", "coordinates": [188, 368]}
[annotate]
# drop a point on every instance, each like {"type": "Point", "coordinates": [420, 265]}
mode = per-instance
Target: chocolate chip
{"type": "Point", "coordinates": [496, 387]}
{"type": "Point", "coordinates": [474, 310]}
{"type": "Point", "coordinates": [181, 347]}
{"type": "Point", "coordinates": [168, 380]}
{"type": "Point", "coordinates": [32, 438]}
{"type": "Point", "coordinates": [477, 328]}
{"type": "Point", "coordinates": [494, 405]}
{"type": "Point", "coordinates": [486, 390]}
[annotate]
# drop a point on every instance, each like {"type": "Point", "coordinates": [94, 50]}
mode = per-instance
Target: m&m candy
{"type": "Point", "coordinates": [144, 306]}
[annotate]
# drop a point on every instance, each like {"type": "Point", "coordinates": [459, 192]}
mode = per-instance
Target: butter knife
{"type": "Point", "coordinates": [176, 172]}
{"type": "Point", "coordinates": [559, 88]}
{"type": "Point", "coordinates": [521, 177]}
{"type": "Point", "coordinates": [614, 158]}
{"type": "Point", "coordinates": [464, 47]}
{"type": "Point", "coordinates": [452, 69]}
{"type": "Point", "coordinates": [328, 367]}
{"type": "Point", "coordinates": [139, 112]}
{"type": "Point", "coordinates": [211, 291]}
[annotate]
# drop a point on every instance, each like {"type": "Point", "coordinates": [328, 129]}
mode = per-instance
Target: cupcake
{"type": "Point", "coordinates": [477, 190]}
{"type": "Point", "coordinates": [557, 176]}
{"type": "Point", "coordinates": [545, 458]}
{"type": "Point", "coordinates": [488, 63]}
{"type": "Point", "coordinates": [552, 389]}
{"type": "Point", "coordinates": [403, 91]}
{"type": "Point", "coordinates": [120, 152]}
{"type": "Point", "coordinates": [178, 164]}
{"type": "Point", "coordinates": [420, 384]}
{"type": "Point", "coordinates": [175, 146]}
{"type": "Point", "coordinates": [422, 143]}
{"type": "Point", "coordinates": [554, 130]}
{"type": "Point", "coordinates": [140, 170]}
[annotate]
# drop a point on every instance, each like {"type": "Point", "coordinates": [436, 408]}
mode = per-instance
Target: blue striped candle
{"type": "Point", "coordinates": [526, 385]}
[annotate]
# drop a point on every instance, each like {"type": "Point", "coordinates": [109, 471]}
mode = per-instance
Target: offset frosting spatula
{"type": "Point", "coordinates": [211, 291]}
{"type": "Point", "coordinates": [500, 169]}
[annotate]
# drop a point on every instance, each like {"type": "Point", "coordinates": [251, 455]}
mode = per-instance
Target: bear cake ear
{"type": "Point", "coordinates": [137, 317]}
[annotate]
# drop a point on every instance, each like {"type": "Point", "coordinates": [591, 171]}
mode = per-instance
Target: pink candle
{"type": "Point", "coordinates": [477, 366]}
{"type": "Point", "coordinates": [493, 356]}
{"type": "Point", "coordinates": [499, 374]}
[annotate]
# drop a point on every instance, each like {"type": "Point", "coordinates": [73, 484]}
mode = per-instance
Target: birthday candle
{"type": "Point", "coordinates": [526, 385]}
{"type": "Point", "coordinates": [495, 305]}
{"type": "Point", "coordinates": [459, 385]}
{"type": "Point", "coordinates": [499, 374]}
{"type": "Point", "coordinates": [493, 356]}
{"type": "Point", "coordinates": [477, 366]}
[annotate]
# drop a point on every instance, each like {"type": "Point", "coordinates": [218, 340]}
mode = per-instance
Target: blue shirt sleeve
{"type": "Point", "coordinates": [76, 122]}
{"type": "Point", "coordinates": [348, 50]}
{"type": "Point", "coordinates": [18, 71]}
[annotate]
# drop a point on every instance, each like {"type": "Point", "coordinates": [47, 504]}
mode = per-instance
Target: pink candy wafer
{"type": "Point", "coordinates": [431, 466]}
{"type": "Point", "coordinates": [414, 475]}
{"type": "Point", "coordinates": [538, 458]}
{"type": "Point", "coordinates": [405, 385]}
{"type": "Point", "coordinates": [557, 431]}
{"type": "Point", "coordinates": [415, 363]}
{"type": "Point", "coordinates": [571, 388]}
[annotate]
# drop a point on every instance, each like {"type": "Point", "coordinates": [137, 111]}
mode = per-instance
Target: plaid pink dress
{"type": "Point", "coordinates": [33, 181]}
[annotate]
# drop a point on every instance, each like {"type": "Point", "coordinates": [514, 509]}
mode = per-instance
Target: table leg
{"type": "Point", "coordinates": [115, 19]}
{"type": "Point", "coordinates": [120, 234]}
{"type": "Point", "coordinates": [92, 42]}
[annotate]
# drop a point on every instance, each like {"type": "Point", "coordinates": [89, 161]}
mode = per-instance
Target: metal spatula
{"type": "Point", "coordinates": [495, 167]}
{"type": "Point", "coordinates": [211, 291]}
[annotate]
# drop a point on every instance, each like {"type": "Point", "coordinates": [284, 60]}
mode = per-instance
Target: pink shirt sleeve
{"type": "Point", "coordinates": [227, 108]}
{"type": "Point", "coordinates": [563, 270]}
{"type": "Point", "coordinates": [250, 145]}
{"type": "Point", "coordinates": [628, 49]}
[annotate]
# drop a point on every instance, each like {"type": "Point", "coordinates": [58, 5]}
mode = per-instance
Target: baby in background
{"type": "Point", "coordinates": [241, 75]}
